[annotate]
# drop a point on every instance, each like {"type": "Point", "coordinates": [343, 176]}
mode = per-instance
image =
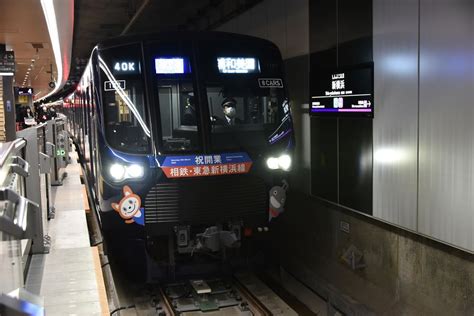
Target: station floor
{"type": "Point", "coordinates": [69, 277]}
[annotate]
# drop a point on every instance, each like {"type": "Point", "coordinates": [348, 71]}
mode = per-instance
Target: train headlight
{"type": "Point", "coordinates": [282, 162]}
{"type": "Point", "coordinates": [135, 171]}
{"type": "Point", "coordinates": [117, 171]}
{"type": "Point", "coordinates": [272, 163]}
{"type": "Point", "coordinates": [120, 172]}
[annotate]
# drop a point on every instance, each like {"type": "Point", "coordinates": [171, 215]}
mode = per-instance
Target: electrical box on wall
{"type": "Point", "coordinates": [343, 92]}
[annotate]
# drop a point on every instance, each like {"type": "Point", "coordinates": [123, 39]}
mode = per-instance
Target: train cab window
{"type": "Point", "coordinates": [125, 121]}
{"type": "Point", "coordinates": [179, 111]}
{"type": "Point", "coordinates": [179, 115]}
{"type": "Point", "coordinates": [242, 116]}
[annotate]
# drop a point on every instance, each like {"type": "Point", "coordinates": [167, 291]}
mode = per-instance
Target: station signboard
{"type": "Point", "coordinates": [7, 62]}
{"type": "Point", "coordinates": [343, 92]}
{"type": "Point", "coordinates": [25, 91]}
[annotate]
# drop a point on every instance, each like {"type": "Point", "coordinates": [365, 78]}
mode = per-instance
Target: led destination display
{"type": "Point", "coordinates": [238, 65]}
{"type": "Point", "coordinates": [342, 92]}
{"type": "Point", "coordinates": [172, 65]}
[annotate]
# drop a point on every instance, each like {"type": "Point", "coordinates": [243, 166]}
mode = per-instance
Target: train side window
{"type": "Point", "coordinates": [125, 113]}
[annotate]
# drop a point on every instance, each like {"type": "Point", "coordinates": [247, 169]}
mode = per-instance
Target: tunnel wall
{"type": "Point", "coordinates": [404, 272]}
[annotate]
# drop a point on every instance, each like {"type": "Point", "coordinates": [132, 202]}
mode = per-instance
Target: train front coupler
{"type": "Point", "coordinates": [211, 239]}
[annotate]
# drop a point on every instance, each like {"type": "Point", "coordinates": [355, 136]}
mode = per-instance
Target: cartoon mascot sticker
{"type": "Point", "coordinates": [277, 200]}
{"type": "Point", "coordinates": [129, 207]}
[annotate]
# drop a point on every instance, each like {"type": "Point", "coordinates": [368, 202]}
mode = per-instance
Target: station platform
{"type": "Point", "coordinates": [69, 278]}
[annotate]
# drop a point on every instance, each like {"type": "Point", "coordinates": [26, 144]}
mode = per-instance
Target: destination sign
{"type": "Point", "coordinates": [238, 65]}
{"type": "Point", "coordinates": [173, 65]}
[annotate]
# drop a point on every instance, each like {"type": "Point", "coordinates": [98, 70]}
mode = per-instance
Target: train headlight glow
{"type": "Point", "coordinates": [117, 171]}
{"type": "Point", "coordinates": [135, 171]}
{"type": "Point", "coordinates": [120, 172]}
{"type": "Point", "coordinates": [282, 162]}
{"type": "Point", "coordinates": [272, 163]}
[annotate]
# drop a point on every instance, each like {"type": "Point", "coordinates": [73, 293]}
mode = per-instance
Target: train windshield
{"type": "Point", "coordinates": [126, 126]}
{"type": "Point", "coordinates": [241, 99]}
{"type": "Point", "coordinates": [245, 94]}
{"type": "Point", "coordinates": [178, 107]}
{"type": "Point", "coordinates": [242, 115]}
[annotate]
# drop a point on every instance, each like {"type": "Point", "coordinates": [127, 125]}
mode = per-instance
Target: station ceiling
{"type": "Point", "coordinates": [23, 29]}
{"type": "Point", "coordinates": [96, 20]}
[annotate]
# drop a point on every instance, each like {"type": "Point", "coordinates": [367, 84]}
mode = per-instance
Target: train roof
{"type": "Point", "coordinates": [182, 35]}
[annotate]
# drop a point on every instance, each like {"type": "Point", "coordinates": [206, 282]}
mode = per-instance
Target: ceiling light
{"type": "Point", "coordinates": [50, 16]}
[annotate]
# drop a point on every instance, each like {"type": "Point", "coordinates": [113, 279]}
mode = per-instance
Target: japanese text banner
{"type": "Point", "coordinates": [206, 165]}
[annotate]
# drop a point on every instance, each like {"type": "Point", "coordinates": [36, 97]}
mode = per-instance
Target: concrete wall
{"type": "Point", "coordinates": [405, 273]}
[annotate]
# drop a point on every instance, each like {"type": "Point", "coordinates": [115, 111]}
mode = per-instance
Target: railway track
{"type": "Point", "coordinates": [243, 295]}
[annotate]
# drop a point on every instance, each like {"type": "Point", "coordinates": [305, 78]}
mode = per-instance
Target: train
{"type": "Point", "coordinates": [186, 140]}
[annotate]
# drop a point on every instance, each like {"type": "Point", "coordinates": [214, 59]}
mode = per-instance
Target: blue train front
{"type": "Point", "coordinates": [183, 136]}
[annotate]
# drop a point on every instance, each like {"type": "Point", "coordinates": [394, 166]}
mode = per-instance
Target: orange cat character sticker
{"type": "Point", "coordinates": [129, 207]}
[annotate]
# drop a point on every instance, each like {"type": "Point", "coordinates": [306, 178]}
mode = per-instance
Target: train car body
{"type": "Point", "coordinates": [182, 136]}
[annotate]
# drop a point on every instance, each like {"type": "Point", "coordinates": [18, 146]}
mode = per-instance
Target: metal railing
{"type": "Point", "coordinates": [17, 214]}
{"type": "Point", "coordinates": [17, 211]}
{"type": "Point", "coordinates": [29, 166]}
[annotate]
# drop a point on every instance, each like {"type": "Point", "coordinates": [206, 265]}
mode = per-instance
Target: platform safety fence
{"type": "Point", "coordinates": [29, 166]}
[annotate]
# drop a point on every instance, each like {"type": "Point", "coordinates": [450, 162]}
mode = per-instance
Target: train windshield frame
{"type": "Point", "coordinates": [192, 96]}
{"type": "Point", "coordinates": [123, 95]}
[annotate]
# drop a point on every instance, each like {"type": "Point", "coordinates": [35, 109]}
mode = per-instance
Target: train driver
{"type": "Point", "coordinates": [229, 107]}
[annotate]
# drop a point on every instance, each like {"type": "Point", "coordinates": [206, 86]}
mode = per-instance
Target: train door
{"type": "Point", "coordinates": [87, 148]}
{"type": "Point", "coordinates": [92, 130]}
{"type": "Point", "coordinates": [93, 135]}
